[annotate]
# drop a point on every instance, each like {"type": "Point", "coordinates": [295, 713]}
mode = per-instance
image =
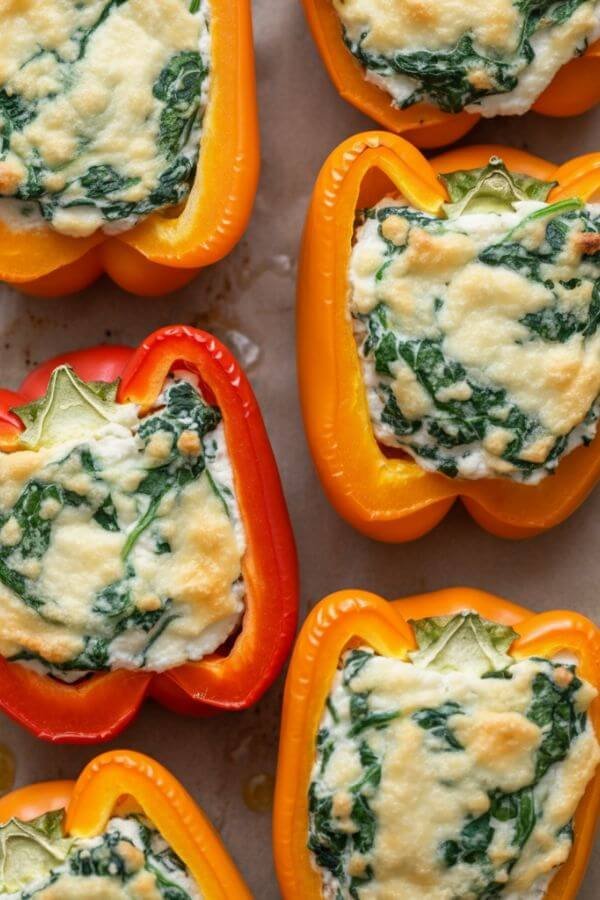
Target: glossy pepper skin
{"type": "Point", "coordinates": [358, 617]}
{"type": "Point", "coordinates": [393, 499]}
{"type": "Point", "coordinates": [100, 793]}
{"type": "Point", "coordinates": [99, 707]}
{"type": "Point", "coordinates": [163, 253]}
{"type": "Point", "coordinates": [574, 90]}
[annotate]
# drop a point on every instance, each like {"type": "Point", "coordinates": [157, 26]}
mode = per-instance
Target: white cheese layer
{"type": "Point", "coordinates": [100, 119]}
{"type": "Point", "coordinates": [174, 597]}
{"type": "Point", "coordinates": [448, 750]}
{"type": "Point", "coordinates": [520, 322]}
{"type": "Point", "coordinates": [384, 28]}
{"type": "Point", "coordinates": [129, 861]}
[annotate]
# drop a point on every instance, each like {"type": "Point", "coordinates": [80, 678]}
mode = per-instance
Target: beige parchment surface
{"type": "Point", "coordinates": [248, 300]}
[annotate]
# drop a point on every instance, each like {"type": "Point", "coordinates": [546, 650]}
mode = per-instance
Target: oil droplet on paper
{"type": "Point", "coordinates": [258, 792]}
{"type": "Point", "coordinates": [8, 768]}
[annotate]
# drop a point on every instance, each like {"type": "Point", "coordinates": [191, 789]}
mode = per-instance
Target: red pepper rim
{"type": "Point", "coordinates": [99, 707]}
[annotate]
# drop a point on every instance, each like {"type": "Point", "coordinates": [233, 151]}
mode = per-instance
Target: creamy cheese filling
{"type": "Point", "coordinates": [478, 336]}
{"type": "Point", "coordinates": [129, 861]}
{"type": "Point", "coordinates": [490, 58]}
{"type": "Point", "coordinates": [123, 550]}
{"type": "Point", "coordinates": [101, 108]}
{"type": "Point", "coordinates": [448, 785]}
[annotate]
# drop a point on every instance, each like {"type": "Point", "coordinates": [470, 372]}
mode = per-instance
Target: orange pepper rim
{"type": "Point", "coordinates": [98, 793]}
{"type": "Point", "coordinates": [350, 617]}
{"type": "Point", "coordinates": [393, 498]}
{"type": "Point", "coordinates": [574, 89]}
{"type": "Point", "coordinates": [214, 215]}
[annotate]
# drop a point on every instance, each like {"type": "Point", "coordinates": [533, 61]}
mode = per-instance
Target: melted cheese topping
{"type": "Point", "coordinates": [513, 320]}
{"type": "Point", "coordinates": [380, 29]}
{"type": "Point", "coordinates": [419, 791]}
{"type": "Point", "coordinates": [181, 583]}
{"type": "Point", "coordinates": [411, 24]}
{"type": "Point", "coordinates": [80, 109]}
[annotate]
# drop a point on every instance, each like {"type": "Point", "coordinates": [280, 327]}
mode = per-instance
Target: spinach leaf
{"type": "Point", "coordinates": [445, 77]}
{"type": "Point", "coordinates": [185, 410]}
{"type": "Point", "coordinates": [15, 114]}
{"type": "Point", "coordinates": [19, 585]}
{"type": "Point", "coordinates": [325, 747]}
{"type": "Point", "coordinates": [82, 35]}
{"type": "Point", "coordinates": [363, 717]}
{"type": "Point", "coordinates": [115, 599]}
{"type": "Point", "coordinates": [442, 76]}
{"type": "Point", "coordinates": [178, 87]}
{"type": "Point", "coordinates": [364, 818]}
{"type": "Point", "coordinates": [35, 535]}
{"type": "Point", "coordinates": [553, 324]}
{"type": "Point", "coordinates": [553, 710]}
{"type": "Point", "coordinates": [514, 256]}
{"type": "Point", "coordinates": [330, 841]}
{"type": "Point", "coordinates": [393, 416]}
{"type": "Point", "coordinates": [526, 817]}
{"type": "Point", "coordinates": [325, 841]}
{"type": "Point", "coordinates": [94, 657]}
{"type": "Point", "coordinates": [435, 721]}
{"type": "Point", "coordinates": [106, 515]}
{"type": "Point", "coordinates": [371, 777]}
{"type": "Point", "coordinates": [354, 662]}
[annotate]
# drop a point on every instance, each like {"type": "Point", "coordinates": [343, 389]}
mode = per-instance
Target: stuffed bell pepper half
{"type": "Point", "coordinates": [125, 830]}
{"type": "Point", "coordinates": [431, 70]}
{"type": "Point", "coordinates": [128, 140]}
{"type": "Point", "coordinates": [442, 746]}
{"type": "Point", "coordinates": [145, 545]}
{"type": "Point", "coordinates": [449, 336]}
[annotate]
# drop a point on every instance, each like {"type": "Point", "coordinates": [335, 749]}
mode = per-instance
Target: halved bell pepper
{"type": "Point", "coordinates": [348, 618]}
{"type": "Point", "coordinates": [165, 251]}
{"type": "Point", "coordinates": [99, 707]}
{"type": "Point", "coordinates": [393, 499]}
{"type": "Point", "coordinates": [122, 780]}
{"type": "Point", "coordinates": [574, 90]}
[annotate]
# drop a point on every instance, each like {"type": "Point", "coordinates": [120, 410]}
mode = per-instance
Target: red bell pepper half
{"type": "Point", "coordinates": [100, 706]}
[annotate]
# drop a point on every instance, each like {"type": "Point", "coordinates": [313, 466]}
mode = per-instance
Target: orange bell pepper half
{"type": "Point", "coordinates": [99, 707]}
{"type": "Point", "coordinates": [574, 90]}
{"type": "Point", "coordinates": [121, 781]}
{"type": "Point", "coordinates": [349, 618]}
{"type": "Point", "coordinates": [165, 251]}
{"type": "Point", "coordinates": [393, 499]}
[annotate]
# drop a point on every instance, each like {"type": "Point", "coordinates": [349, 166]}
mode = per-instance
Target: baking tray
{"type": "Point", "coordinates": [248, 301]}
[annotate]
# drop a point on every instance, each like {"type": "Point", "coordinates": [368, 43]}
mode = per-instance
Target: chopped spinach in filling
{"type": "Point", "coordinates": [478, 334]}
{"type": "Point", "coordinates": [122, 550]}
{"type": "Point", "coordinates": [101, 107]}
{"type": "Point", "coordinates": [461, 57]}
{"type": "Point", "coordinates": [128, 861]}
{"type": "Point", "coordinates": [445, 776]}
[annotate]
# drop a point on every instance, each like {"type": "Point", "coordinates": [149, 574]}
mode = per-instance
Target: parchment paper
{"type": "Point", "coordinates": [248, 299]}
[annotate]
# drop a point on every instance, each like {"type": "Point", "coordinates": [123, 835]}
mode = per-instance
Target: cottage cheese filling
{"type": "Point", "coordinates": [129, 861]}
{"type": "Point", "coordinates": [478, 335]}
{"type": "Point", "coordinates": [489, 58]}
{"type": "Point", "coordinates": [122, 550]}
{"type": "Point", "coordinates": [448, 785]}
{"type": "Point", "coordinates": [101, 108]}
